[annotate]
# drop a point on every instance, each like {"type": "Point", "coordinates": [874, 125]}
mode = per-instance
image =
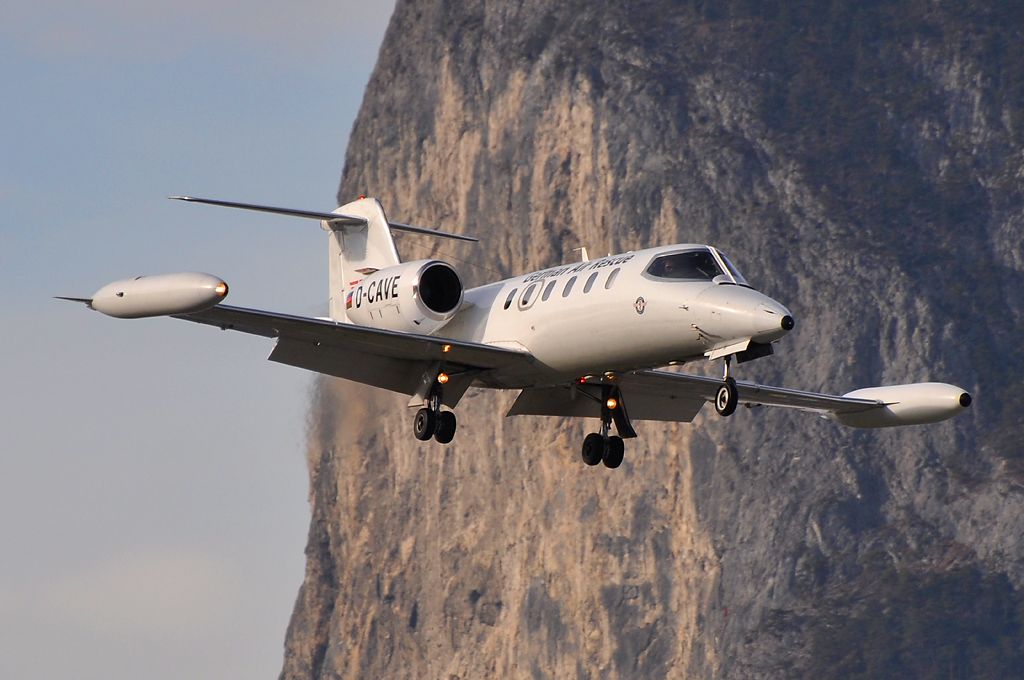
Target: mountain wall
{"type": "Point", "coordinates": [860, 162]}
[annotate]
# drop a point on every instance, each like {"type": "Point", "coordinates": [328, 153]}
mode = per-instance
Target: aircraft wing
{"type": "Point", "coordinates": [676, 397]}
{"type": "Point", "coordinates": [684, 385]}
{"type": "Point", "coordinates": [382, 358]}
{"type": "Point", "coordinates": [882, 406]}
{"type": "Point", "coordinates": [679, 397]}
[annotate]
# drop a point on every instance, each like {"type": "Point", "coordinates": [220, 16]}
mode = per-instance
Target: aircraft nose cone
{"type": "Point", "coordinates": [736, 312]}
{"type": "Point", "coordinates": [773, 321]}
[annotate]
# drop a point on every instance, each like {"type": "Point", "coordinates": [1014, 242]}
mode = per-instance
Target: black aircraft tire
{"type": "Point", "coordinates": [593, 448]}
{"type": "Point", "coordinates": [445, 427]}
{"type": "Point", "coordinates": [727, 398]}
{"type": "Point", "coordinates": [424, 424]}
{"type": "Point", "coordinates": [616, 450]}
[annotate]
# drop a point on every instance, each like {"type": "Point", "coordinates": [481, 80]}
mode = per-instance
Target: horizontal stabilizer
{"type": "Point", "coordinates": [334, 218]}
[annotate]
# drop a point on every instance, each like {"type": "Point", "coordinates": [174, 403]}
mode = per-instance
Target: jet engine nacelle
{"type": "Point", "coordinates": [417, 297]}
{"type": "Point", "coordinates": [159, 295]}
{"type": "Point", "coordinates": [915, 404]}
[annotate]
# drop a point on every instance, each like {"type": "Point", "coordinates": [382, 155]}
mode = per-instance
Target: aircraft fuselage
{"type": "Point", "coordinates": [611, 313]}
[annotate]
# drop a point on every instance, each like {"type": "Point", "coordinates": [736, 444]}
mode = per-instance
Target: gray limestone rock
{"type": "Point", "coordinates": [862, 163]}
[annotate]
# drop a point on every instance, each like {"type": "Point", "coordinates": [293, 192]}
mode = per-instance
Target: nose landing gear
{"type": "Point", "coordinates": [727, 397]}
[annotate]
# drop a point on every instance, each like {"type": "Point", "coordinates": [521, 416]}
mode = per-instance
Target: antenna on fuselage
{"type": "Point", "coordinates": [584, 256]}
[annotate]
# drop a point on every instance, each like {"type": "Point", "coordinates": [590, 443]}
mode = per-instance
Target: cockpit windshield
{"type": "Point", "coordinates": [700, 264]}
{"type": "Point", "coordinates": [693, 264]}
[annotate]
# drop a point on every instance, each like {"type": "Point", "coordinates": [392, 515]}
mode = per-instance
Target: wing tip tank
{"type": "Point", "coordinates": [912, 404]}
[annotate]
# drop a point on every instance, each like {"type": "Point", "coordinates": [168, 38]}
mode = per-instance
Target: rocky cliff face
{"type": "Point", "coordinates": [861, 162]}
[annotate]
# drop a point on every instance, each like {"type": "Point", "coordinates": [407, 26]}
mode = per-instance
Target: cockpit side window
{"type": "Point", "coordinates": [693, 264]}
{"type": "Point", "coordinates": [732, 270]}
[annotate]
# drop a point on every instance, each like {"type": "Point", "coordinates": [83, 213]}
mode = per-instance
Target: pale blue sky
{"type": "Point", "coordinates": [153, 495]}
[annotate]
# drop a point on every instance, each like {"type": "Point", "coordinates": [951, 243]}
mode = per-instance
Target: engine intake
{"type": "Point", "coordinates": [416, 297]}
{"type": "Point", "coordinates": [440, 288]}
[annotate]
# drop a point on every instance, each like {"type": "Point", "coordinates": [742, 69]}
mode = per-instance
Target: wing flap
{"type": "Point", "coordinates": [583, 401]}
{"type": "Point", "coordinates": [388, 373]}
{"type": "Point", "coordinates": [563, 400]}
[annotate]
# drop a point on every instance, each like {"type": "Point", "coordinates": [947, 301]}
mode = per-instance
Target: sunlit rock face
{"type": "Point", "coordinates": [862, 165]}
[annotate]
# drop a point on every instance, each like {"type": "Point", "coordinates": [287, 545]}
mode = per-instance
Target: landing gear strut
{"type": "Point", "coordinates": [600, 446]}
{"type": "Point", "coordinates": [431, 421]}
{"type": "Point", "coordinates": [727, 396]}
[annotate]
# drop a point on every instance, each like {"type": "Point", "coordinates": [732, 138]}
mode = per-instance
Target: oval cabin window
{"type": "Point", "coordinates": [547, 291]}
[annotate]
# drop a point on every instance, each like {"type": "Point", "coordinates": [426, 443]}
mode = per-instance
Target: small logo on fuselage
{"type": "Point", "coordinates": [640, 305]}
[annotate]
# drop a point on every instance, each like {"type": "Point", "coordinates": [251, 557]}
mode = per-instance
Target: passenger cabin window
{"type": "Point", "coordinates": [511, 296]}
{"type": "Point", "coordinates": [568, 287]}
{"type": "Point", "coordinates": [547, 291]}
{"type": "Point", "coordinates": [694, 264]}
{"type": "Point", "coordinates": [611, 279]}
{"type": "Point", "coordinates": [590, 283]}
{"type": "Point", "coordinates": [525, 302]}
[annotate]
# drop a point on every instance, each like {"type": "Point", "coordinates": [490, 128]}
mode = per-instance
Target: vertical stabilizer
{"type": "Point", "coordinates": [357, 250]}
{"type": "Point", "coordinates": [359, 241]}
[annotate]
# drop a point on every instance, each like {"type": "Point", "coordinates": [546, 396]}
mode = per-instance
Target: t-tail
{"type": "Point", "coordinates": [356, 250]}
{"type": "Point", "coordinates": [359, 242]}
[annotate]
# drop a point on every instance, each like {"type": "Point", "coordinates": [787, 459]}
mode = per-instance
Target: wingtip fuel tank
{"type": "Point", "coordinates": [914, 404]}
{"type": "Point", "coordinates": [160, 295]}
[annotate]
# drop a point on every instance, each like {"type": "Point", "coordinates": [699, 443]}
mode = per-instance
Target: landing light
{"type": "Point", "coordinates": [442, 378]}
{"type": "Point", "coordinates": [446, 348]}
{"type": "Point", "coordinates": [612, 403]}
{"type": "Point", "coordinates": [221, 289]}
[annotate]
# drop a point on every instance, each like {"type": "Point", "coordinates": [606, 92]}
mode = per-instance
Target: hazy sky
{"type": "Point", "coordinates": [153, 494]}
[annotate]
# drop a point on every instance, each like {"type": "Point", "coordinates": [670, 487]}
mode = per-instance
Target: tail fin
{"type": "Point", "coordinates": [357, 250]}
{"type": "Point", "coordinates": [359, 240]}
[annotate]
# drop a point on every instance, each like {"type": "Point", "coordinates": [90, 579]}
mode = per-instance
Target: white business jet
{"type": "Point", "coordinates": [583, 339]}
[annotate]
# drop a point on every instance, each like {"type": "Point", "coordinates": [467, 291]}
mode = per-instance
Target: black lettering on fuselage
{"type": "Point", "coordinates": [380, 290]}
{"type": "Point", "coordinates": [577, 268]}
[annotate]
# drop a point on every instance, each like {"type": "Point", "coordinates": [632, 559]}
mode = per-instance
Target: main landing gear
{"type": "Point", "coordinates": [601, 447]}
{"type": "Point", "coordinates": [431, 421]}
{"type": "Point", "coordinates": [727, 396]}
